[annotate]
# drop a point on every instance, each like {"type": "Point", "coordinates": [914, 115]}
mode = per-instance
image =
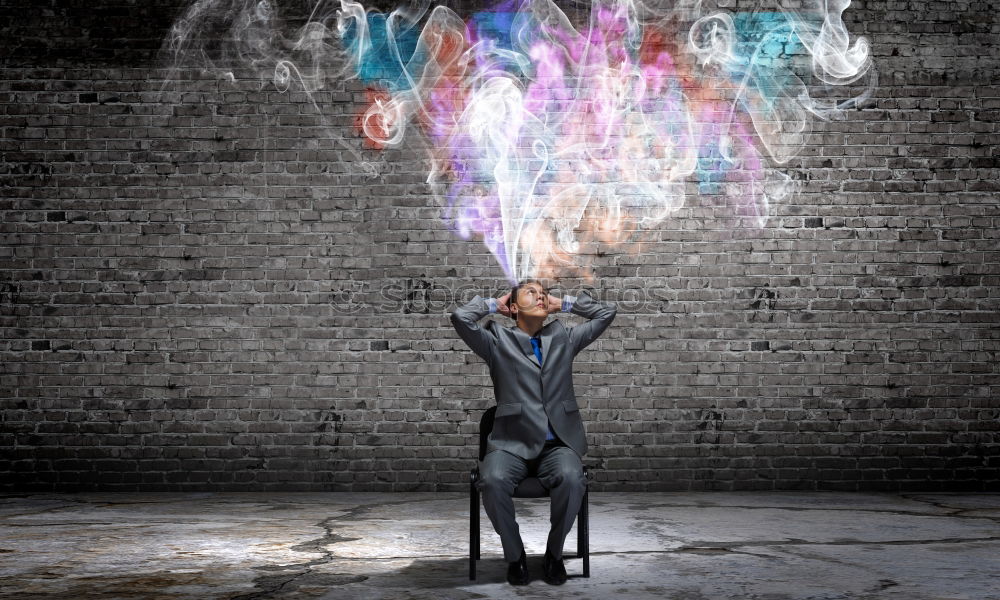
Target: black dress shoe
{"type": "Point", "coordinates": [517, 571]}
{"type": "Point", "coordinates": [555, 571]}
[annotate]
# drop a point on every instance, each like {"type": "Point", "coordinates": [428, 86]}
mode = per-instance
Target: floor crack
{"type": "Point", "coordinates": [267, 585]}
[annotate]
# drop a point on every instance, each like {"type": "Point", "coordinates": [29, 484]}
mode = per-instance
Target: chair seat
{"type": "Point", "coordinates": [531, 487]}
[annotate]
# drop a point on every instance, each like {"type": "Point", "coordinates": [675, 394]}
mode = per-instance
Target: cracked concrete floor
{"type": "Point", "coordinates": [691, 546]}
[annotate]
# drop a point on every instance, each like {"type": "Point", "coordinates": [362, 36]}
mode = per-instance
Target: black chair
{"type": "Point", "coordinates": [530, 487]}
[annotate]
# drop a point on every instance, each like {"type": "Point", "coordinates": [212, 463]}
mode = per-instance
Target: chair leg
{"type": "Point", "coordinates": [473, 523]}
{"type": "Point", "coordinates": [583, 535]}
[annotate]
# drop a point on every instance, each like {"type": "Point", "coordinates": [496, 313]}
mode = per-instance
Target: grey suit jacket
{"type": "Point", "coordinates": [529, 395]}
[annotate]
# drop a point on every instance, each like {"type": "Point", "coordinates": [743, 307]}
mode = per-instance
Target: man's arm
{"type": "Point", "coordinates": [601, 314]}
{"type": "Point", "coordinates": [466, 321]}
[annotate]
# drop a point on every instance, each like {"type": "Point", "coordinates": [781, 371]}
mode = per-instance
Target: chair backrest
{"type": "Point", "coordinates": [485, 427]}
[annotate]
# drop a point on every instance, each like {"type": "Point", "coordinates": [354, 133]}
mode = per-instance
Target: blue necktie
{"type": "Point", "coordinates": [536, 343]}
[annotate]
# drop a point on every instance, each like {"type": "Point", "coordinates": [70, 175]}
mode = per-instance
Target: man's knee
{"type": "Point", "coordinates": [573, 478]}
{"type": "Point", "coordinates": [495, 483]}
{"type": "Point", "coordinates": [569, 474]}
{"type": "Point", "coordinates": [495, 480]}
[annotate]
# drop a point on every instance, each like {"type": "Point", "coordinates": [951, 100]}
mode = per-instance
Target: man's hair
{"type": "Point", "coordinates": [517, 287]}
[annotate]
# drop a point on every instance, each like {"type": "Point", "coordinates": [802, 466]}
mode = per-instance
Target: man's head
{"type": "Point", "coordinates": [529, 297]}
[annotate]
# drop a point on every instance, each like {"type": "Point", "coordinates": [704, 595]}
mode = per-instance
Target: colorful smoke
{"type": "Point", "coordinates": [549, 137]}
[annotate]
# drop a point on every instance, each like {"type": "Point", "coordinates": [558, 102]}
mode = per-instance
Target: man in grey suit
{"type": "Point", "coordinates": [537, 428]}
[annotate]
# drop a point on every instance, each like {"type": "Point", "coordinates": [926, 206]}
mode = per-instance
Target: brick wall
{"type": "Point", "coordinates": [199, 289]}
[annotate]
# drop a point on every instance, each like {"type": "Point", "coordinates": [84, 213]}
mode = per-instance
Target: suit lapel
{"type": "Point", "coordinates": [525, 341]}
{"type": "Point", "coordinates": [548, 333]}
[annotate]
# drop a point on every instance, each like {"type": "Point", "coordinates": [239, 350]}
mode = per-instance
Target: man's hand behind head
{"type": "Point", "coordinates": [555, 304]}
{"type": "Point", "coordinates": [502, 306]}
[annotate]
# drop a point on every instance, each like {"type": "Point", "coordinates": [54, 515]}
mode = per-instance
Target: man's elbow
{"type": "Point", "coordinates": [460, 321]}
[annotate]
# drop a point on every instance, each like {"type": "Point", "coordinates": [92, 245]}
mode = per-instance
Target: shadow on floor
{"type": "Point", "coordinates": [417, 579]}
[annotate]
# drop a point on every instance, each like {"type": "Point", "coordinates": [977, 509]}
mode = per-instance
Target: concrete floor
{"type": "Point", "coordinates": [691, 546]}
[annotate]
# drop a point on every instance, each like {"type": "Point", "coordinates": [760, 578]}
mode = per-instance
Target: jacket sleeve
{"type": "Point", "coordinates": [601, 314]}
{"type": "Point", "coordinates": [466, 321]}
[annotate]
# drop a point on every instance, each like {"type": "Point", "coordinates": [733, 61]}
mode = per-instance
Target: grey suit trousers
{"type": "Point", "coordinates": [559, 469]}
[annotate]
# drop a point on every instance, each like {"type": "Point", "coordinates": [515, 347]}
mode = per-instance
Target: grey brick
{"type": "Point", "coordinates": [173, 263]}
